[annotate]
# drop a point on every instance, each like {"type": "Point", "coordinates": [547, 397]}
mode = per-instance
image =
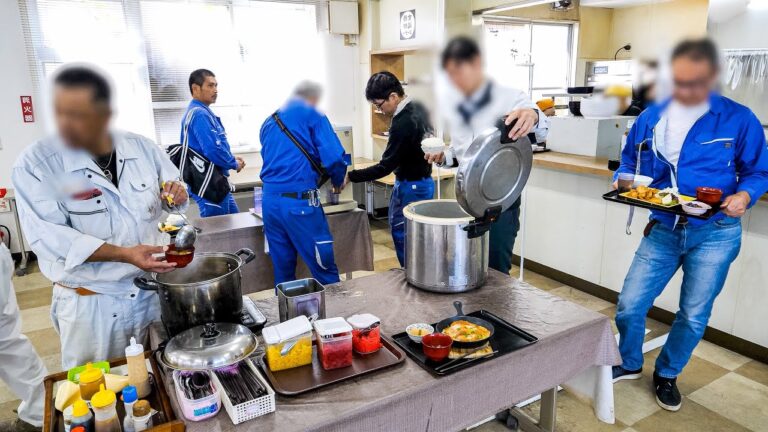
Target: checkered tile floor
{"type": "Point", "coordinates": [723, 391]}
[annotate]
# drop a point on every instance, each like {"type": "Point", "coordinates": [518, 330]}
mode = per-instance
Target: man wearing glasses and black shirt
{"type": "Point", "coordinates": [403, 155]}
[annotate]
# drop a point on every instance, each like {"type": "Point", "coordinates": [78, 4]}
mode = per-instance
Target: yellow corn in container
{"type": "Point", "coordinates": [295, 334]}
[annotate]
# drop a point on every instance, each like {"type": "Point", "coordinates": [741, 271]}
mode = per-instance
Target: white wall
{"type": "Point", "coordinates": [742, 27]}
{"type": "Point", "coordinates": [429, 22]}
{"type": "Point", "coordinates": [16, 81]}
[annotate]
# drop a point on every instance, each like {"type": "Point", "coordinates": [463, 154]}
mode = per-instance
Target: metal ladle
{"type": "Point", "coordinates": [187, 234]}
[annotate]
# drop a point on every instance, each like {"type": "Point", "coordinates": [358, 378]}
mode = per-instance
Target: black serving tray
{"type": "Point", "coordinates": [614, 196]}
{"type": "Point", "coordinates": [506, 338]}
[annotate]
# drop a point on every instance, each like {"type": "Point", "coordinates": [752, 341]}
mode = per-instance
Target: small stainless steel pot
{"type": "Point", "coordinates": [205, 291]}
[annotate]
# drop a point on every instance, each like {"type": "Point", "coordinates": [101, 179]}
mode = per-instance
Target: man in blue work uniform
{"type": "Point", "coordinates": [698, 138]}
{"type": "Point", "coordinates": [207, 137]}
{"type": "Point", "coordinates": [294, 222]}
{"type": "Point", "coordinates": [403, 155]}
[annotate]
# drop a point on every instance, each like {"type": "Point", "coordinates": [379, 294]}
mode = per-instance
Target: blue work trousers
{"type": "Point", "coordinates": [404, 193]}
{"type": "Point", "coordinates": [292, 227]}
{"type": "Point", "coordinates": [208, 208]}
{"type": "Point", "coordinates": [705, 253]}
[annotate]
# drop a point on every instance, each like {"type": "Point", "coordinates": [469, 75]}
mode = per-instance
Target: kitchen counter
{"type": "Point", "coordinates": [405, 398]}
{"type": "Point", "coordinates": [352, 247]}
{"type": "Point", "coordinates": [563, 205]}
{"type": "Point", "coordinates": [573, 163]}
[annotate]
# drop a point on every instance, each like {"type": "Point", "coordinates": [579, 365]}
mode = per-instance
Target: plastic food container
{"type": "Point", "coordinates": [366, 333]}
{"type": "Point", "coordinates": [197, 409]}
{"type": "Point", "coordinates": [334, 343]}
{"type": "Point", "coordinates": [289, 344]}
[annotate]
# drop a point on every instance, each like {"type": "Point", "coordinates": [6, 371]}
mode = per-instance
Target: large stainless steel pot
{"type": "Point", "coordinates": [205, 291]}
{"type": "Point", "coordinates": [441, 257]}
{"type": "Point", "coordinates": [447, 240]}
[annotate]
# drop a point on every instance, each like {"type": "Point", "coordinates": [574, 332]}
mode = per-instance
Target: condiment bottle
{"type": "Point", "coordinates": [142, 415]}
{"type": "Point", "coordinates": [90, 381]}
{"type": "Point", "coordinates": [81, 416]}
{"type": "Point", "coordinates": [103, 403]}
{"type": "Point", "coordinates": [129, 398]}
{"type": "Point", "coordinates": [67, 416]}
{"type": "Point", "coordinates": [137, 368]}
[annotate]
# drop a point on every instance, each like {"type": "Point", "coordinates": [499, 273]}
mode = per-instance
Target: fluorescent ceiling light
{"type": "Point", "coordinates": [510, 6]}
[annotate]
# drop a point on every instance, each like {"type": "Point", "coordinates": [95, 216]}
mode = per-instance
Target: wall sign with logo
{"type": "Point", "coordinates": [27, 111]}
{"type": "Point", "coordinates": [408, 24]}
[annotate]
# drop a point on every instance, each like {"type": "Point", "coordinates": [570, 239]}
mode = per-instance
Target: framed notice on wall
{"type": "Point", "coordinates": [408, 24]}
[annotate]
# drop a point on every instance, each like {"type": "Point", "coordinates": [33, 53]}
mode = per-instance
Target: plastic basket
{"type": "Point", "coordinates": [251, 409]}
{"type": "Point", "coordinates": [200, 409]}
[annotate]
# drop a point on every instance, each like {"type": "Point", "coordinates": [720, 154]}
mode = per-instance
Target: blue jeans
{"type": "Point", "coordinates": [404, 193]}
{"type": "Point", "coordinates": [208, 208]}
{"type": "Point", "coordinates": [292, 227]}
{"type": "Point", "coordinates": [705, 253]}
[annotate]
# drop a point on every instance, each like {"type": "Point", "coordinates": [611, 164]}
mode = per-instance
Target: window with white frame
{"type": "Point", "coordinates": [536, 57]}
{"type": "Point", "coordinates": [258, 50]}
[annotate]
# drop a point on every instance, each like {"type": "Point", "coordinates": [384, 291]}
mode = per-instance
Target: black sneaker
{"type": "Point", "coordinates": [667, 394]}
{"type": "Point", "coordinates": [619, 373]}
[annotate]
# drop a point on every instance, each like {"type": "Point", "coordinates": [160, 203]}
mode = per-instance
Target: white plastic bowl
{"type": "Point", "coordinates": [690, 209]}
{"type": "Point", "coordinates": [432, 145]}
{"type": "Point", "coordinates": [424, 326]}
{"type": "Point", "coordinates": [599, 107]}
{"type": "Point", "coordinates": [641, 180]}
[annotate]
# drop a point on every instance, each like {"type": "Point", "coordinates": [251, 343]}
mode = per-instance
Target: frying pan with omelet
{"type": "Point", "coordinates": [466, 331]}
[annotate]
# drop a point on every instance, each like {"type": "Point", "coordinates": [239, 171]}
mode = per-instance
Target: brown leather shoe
{"type": "Point", "coordinates": [18, 425]}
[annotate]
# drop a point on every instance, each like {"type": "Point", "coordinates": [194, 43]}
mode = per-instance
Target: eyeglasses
{"type": "Point", "coordinates": [379, 104]}
{"type": "Point", "coordinates": [692, 85]}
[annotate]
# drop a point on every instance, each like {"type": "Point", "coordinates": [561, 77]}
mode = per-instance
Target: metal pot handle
{"type": "Point", "coordinates": [146, 284]}
{"type": "Point", "coordinates": [249, 255]}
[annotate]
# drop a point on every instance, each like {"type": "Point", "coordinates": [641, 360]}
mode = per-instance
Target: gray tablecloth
{"type": "Point", "coordinates": [353, 247]}
{"type": "Point", "coordinates": [406, 397]}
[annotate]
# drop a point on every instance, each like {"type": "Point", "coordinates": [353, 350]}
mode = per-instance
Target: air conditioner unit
{"type": "Point", "coordinates": [343, 17]}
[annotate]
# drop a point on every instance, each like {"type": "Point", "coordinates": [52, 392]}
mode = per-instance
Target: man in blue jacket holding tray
{"type": "Point", "coordinates": [697, 138]}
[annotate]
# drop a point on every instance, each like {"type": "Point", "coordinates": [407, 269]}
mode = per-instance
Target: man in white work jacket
{"type": "Point", "coordinates": [472, 103]}
{"type": "Point", "coordinates": [90, 199]}
{"type": "Point", "coordinates": [20, 367]}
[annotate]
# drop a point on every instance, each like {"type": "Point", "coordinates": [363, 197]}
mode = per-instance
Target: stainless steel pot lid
{"type": "Point", "coordinates": [491, 173]}
{"type": "Point", "coordinates": [209, 346]}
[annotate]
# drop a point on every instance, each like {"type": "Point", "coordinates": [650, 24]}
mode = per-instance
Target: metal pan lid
{"type": "Point", "coordinates": [492, 173]}
{"type": "Point", "coordinates": [209, 346]}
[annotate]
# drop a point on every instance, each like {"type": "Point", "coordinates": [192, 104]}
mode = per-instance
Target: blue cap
{"type": "Point", "coordinates": [129, 394]}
